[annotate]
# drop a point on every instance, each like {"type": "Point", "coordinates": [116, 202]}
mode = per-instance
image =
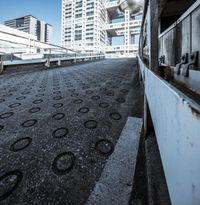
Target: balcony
{"type": "Point", "coordinates": [132, 32]}
{"type": "Point", "coordinates": [112, 4]}
{"type": "Point", "coordinates": [121, 25]}
{"type": "Point", "coordinates": [133, 47]}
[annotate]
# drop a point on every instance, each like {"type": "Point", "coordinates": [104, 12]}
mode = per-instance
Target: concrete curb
{"type": "Point", "coordinates": [115, 184]}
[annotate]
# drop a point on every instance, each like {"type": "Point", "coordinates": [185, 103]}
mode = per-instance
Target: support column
{"type": "Point", "coordinates": [1, 68]}
{"type": "Point", "coordinates": [48, 62]}
{"type": "Point", "coordinates": [145, 116]}
{"type": "Point", "coordinates": [59, 63]}
{"type": "Point", "coordinates": [1, 64]}
{"type": "Point", "coordinates": [153, 32]}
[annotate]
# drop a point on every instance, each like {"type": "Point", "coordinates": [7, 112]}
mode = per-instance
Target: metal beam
{"type": "Point", "coordinates": [153, 28]}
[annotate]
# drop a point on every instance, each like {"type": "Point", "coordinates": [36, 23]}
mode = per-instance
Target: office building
{"type": "Point", "coordinates": [100, 26]}
{"type": "Point", "coordinates": [32, 25]}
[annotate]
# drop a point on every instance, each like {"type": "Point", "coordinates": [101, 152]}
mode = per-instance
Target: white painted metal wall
{"type": "Point", "coordinates": [176, 120]}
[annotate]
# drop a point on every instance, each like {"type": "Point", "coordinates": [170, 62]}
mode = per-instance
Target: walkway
{"type": "Point", "coordinates": [58, 127]}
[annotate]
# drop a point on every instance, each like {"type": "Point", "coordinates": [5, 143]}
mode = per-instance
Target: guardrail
{"type": "Point", "coordinates": [49, 59]}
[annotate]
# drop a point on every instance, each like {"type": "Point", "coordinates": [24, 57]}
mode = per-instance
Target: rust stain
{"type": "Point", "coordinates": [195, 112]}
{"type": "Point", "coordinates": [190, 94]}
{"type": "Point", "coordinates": [186, 90]}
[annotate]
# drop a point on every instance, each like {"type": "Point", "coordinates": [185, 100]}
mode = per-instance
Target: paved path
{"type": "Point", "coordinates": [59, 126]}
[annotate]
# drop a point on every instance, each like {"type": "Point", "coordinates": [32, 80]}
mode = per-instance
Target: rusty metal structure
{"type": "Point", "coordinates": [169, 62]}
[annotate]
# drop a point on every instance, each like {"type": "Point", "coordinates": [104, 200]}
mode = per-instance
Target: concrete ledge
{"type": "Point", "coordinates": [115, 184]}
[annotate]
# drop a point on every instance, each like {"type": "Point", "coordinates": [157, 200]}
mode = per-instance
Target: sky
{"type": "Point", "coordinates": [44, 10]}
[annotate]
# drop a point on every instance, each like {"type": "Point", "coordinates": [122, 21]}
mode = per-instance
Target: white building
{"type": "Point", "coordinates": [48, 33]}
{"type": "Point", "coordinates": [23, 45]}
{"type": "Point", "coordinates": [13, 40]}
{"type": "Point", "coordinates": [32, 25]}
{"type": "Point", "coordinates": [100, 26]}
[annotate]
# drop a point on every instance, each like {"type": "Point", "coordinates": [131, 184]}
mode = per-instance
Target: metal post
{"type": "Point", "coordinates": [145, 116]}
{"type": "Point", "coordinates": [48, 63]}
{"type": "Point", "coordinates": [1, 64]}
{"type": "Point", "coordinates": [153, 31]}
{"type": "Point", "coordinates": [141, 41]}
{"type": "Point", "coordinates": [59, 62]}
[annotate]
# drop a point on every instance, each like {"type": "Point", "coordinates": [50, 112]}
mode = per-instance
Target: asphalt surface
{"type": "Point", "coordinates": [59, 126]}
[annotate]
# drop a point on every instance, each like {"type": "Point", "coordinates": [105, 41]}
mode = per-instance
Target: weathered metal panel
{"type": "Point", "coordinates": [176, 121]}
{"type": "Point", "coordinates": [160, 43]}
{"type": "Point", "coordinates": [183, 38]}
{"type": "Point", "coordinates": [176, 118]}
{"type": "Point", "coordinates": [178, 43]}
{"type": "Point", "coordinates": [196, 32]}
{"type": "Point", "coordinates": [186, 35]}
{"type": "Point", "coordinates": [169, 42]}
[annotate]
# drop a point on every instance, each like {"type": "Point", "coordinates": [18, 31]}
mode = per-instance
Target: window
{"type": "Point", "coordinates": [90, 13]}
{"type": "Point", "coordinates": [78, 15]}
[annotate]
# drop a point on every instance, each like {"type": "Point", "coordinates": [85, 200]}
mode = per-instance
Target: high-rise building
{"type": "Point", "coordinates": [82, 24]}
{"type": "Point", "coordinates": [32, 25]}
{"type": "Point", "coordinates": [100, 26]}
{"type": "Point", "coordinates": [48, 32]}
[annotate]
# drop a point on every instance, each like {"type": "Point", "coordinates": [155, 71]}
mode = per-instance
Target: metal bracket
{"type": "Point", "coordinates": [184, 60]}
{"type": "Point", "coordinates": [192, 61]}
{"type": "Point", "coordinates": [1, 64]}
{"type": "Point", "coordinates": [1, 67]}
{"type": "Point", "coordinates": [161, 59]}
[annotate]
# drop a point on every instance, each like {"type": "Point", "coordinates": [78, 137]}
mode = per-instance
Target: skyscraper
{"type": "Point", "coordinates": [32, 25]}
{"type": "Point", "coordinates": [99, 26]}
{"type": "Point", "coordinates": [82, 24]}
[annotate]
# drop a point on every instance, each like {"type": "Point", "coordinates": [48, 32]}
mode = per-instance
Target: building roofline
{"type": "Point", "coordinates": [20, 18]}
{"type": "Point", "coordinates": [49, 24]}
{"type": "Point", "coordinates": [26, 16]}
